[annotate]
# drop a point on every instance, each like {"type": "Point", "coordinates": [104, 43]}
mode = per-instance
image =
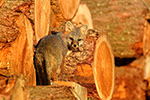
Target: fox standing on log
{"type": "Point", "coordinates": [51, 51]}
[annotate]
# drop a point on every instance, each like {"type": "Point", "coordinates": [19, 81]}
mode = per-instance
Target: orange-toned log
{"type": "Point", "coordinates": [17, 58]}
{"type": "Point", "coordinates": [78, 91]}
{"type": "Point", "coordinates": [52, 20]}
{"type": "Point", "coordinates": [103, 67]}
{"type": "Point", "coordinates": [68, 8]}
{"type": "Point", "coordinates": [83, 16]}
{"type": "Point", "coordinates": [42, 18]}
{"type": "Point", "coordinates": [146, 47]}
{"type": "Point", "coordinates": [21, 59]}
{"type": "Point", "coordinates": [1, 2]}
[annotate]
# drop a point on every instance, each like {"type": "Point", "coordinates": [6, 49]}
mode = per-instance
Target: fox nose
{"type": "Point", "coordinates": [75, 45]}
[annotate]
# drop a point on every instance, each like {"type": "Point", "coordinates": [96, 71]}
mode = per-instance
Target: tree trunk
{"type": "Point", "coordinates": [42, 18]}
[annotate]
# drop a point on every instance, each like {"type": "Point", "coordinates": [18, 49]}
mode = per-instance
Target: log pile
{"type": "Point", "coordinates": [22, 24]}
{"type": "Point", "coordinates": [17, 47]}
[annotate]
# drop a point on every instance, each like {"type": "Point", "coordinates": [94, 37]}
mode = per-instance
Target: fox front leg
{"type": "Point", "coordinates": [62, 70]}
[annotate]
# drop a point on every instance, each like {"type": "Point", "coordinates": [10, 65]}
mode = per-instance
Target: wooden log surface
{"type": "Point", "coordinates": [146, 36]}
{"type": "Point", "coordinates": [16, 88]}
{"type": "Point", "coordinates": [6, 87]}
{"type": "Point", "coordinates": [16, 56]}
{"type": "Point", "coordinates": [68, 8]}
{"type": "Point", "coordinates": [42, 18]}
{"type": "Point", "coordinates": [103, 67]}
{"type": "Point", "coordinates": [78, 91]}
{"type": "Point", "coordinates": [1, 2]}
{"type": "Point", "coordinates": [21, 91]}
{"type": "Point", "coordinates": [53, 92]}
{"type": "Point", "coordinates": [21, 55]}
{"type": "Point", "coordinates": [83, 16]}
{"type": "Point", "coordinates": [146, 47]}
{"type": "Point", "coordinates": [13, 88]}
{"type": "Point", "coordinates": [123, 22]}
{"type": "Point", "coordinates": [56, 13]}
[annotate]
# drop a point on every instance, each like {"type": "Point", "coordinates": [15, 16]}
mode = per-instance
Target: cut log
{"type": "Point", "coordinates": [129, 84]}
{"type": "Point", "coordinates": [21, 58]}
{"type": "Point", "coordinates": [83, 16]}
{"type": "Point", "coordinates": [7, 85]}
{"type": "Point", "coordinates": [13, 88]}
{"type": "Point", "coordinates": [146, 37]}
{"type": "Point", "coordinates": [42, 18]}
{"type": "Point", "coordinates": [17, 55]}
{"type": "Point", "coordinates": [78, 91]}
{"type": "Point", "coordinates": [52, 20]}
{"type": "Point", "coordinates": [124, 29]}
{"type": "Point", "coordinates": [103, 68]}
{"type": "Point", "coordinates": [68, 8]}
{"type": "Point", "coordinates": [23, 46]}
{"type": "Point", "coordinates": [21, 91]}
{"type": "Point", "coordinates": [59, 91]}
{"type": "Point", "coordinates": [63, 10]}
{"type": "Point", "coordinates": [1, 2]}
{"type": "Point", "coordinates": [146, 47]}
{"type": "Point", "coordinates": [57, 13]}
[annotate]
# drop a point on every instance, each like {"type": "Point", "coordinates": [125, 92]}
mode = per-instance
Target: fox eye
{"type": "Point", "coordinates": [79, 39]}
{"type": "Point", "coordinates": [71, 38]}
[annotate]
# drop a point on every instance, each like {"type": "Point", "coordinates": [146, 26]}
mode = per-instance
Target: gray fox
{"type": "Point", "coordinates": [51, 51]}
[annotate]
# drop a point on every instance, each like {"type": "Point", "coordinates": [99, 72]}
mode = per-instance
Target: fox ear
{"type": "Point", "coordinates": [84, 29]}
{"type": "Point", "coordinates": [69, 26]}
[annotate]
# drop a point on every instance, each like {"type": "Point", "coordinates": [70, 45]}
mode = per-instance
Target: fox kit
{"type": "Point", "coordinates": [51, 51]}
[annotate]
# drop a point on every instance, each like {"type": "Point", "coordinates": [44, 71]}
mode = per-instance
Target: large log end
{"type": "Point", "coordinates": [104, 67]}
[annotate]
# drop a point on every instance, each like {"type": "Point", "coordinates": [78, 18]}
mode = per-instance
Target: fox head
{"type": "Point", "coordinates": [74, 36]}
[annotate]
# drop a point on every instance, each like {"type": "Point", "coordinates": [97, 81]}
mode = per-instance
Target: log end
{"type": "Point", "coordinates": [104, 67]}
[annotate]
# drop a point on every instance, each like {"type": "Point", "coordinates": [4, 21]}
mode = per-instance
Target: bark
{"type": "Point", "coordinates": [57, 13]}
{"type": "Point", "coordinates": [124, 22]}
{"type": "Point", "coordinates": [21, 91]}
{"type": "Point", "coordinates": [14, 88]}
{"type": "Point", "coordinates": [78, 91]}
{"type": "Point", "coordinates": [53, 92]}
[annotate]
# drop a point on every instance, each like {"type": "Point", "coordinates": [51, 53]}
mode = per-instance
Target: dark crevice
{"type": "Point", "coordinates": [147, 92]}
{"type": "Point", "coordinates": [123, 61]}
